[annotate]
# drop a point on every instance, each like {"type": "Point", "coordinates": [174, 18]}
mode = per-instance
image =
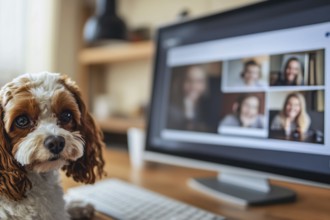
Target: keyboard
{"type": "Point", "coordinates": [124, 201]}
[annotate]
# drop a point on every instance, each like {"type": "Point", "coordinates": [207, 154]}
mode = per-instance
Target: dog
{"type": "Point", "coordinates": [45, 127]}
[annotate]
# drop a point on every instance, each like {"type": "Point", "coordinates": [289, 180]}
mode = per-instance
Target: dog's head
{"type": "Point", "coordinates": [45, 126]}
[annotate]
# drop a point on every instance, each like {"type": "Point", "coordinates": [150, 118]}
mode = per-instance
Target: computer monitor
{"type": "Point", "coordinates": [245, 92]}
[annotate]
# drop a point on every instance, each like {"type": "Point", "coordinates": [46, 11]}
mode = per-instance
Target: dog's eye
{"type": "Point", "coordinates": [65, 117]}
{"type": "Point", "coordinates": [22, 121]}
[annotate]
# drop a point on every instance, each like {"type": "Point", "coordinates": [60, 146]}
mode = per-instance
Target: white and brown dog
{"type": "Point", "coordinates": [44, 127]}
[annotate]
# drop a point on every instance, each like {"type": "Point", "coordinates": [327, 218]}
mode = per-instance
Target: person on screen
{"type": "Point", "coordinates": [293, 117]}
{"type": "Point", "coordinates": [292, 74]}
{"type": "Point", "coordinates": [250, 76]}
{"type": "Point", "coordinates": [186, 109]}
{"type": "Point", "coordinates": [246, 113]}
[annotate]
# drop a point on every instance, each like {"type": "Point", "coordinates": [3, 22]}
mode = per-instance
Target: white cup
{"type": "Point", "coordinates": [136, 142]}
{"type": "Point", "coordinates": [103, 106]}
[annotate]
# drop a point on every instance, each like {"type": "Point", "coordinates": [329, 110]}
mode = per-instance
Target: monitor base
{"type": "Point", "coordinates": [241, 192]}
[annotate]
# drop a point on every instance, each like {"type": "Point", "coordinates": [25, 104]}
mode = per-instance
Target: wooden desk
{"type": "Point", "coordinates": [312, 203]}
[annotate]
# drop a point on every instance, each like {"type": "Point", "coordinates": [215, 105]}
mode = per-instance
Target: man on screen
{"type": "Point", "coordinates": [250, 76]}
{"type": "Point", "coordinates": [188, 100]}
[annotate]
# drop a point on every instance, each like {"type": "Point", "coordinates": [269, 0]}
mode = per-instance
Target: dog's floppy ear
{"type": "Point", "coordinates": [91, 164]}
{"type": "Point", "coordinates": [13, 180]}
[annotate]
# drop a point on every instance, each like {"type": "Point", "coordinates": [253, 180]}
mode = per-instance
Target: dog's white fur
{"type": "Point", "coordinates": [43, 202]}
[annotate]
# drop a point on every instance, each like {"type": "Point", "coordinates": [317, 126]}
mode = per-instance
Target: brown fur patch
{"type": "Point", "coordinates": [91, 164]}
{"type": "Point", "coordinates": [22, 104]}
{"type": "Point", "coordinates": [13, 180]}
{"type": "Point", "coordinates": [64, 101]}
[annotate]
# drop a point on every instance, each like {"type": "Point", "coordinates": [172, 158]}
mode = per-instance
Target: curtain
{"type": "Point", "coordinates": [12, 38]}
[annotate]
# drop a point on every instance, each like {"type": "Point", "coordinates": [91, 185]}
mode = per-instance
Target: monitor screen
{"type": "Point", "coordinates": [247, 88]}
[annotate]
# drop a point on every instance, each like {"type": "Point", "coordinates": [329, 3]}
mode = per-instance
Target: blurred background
{"type": "Point", "coordinates": [104, 45]}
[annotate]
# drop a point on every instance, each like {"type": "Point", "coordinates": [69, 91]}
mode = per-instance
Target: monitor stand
{"type": "Point", "coordinates": [243, 190]}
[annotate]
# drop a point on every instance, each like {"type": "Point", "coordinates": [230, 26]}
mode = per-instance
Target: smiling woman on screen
{"type": "Point", "coordinates": [292, 74]}
{"type": "Point", "coordinates": [246, 113]}
{"type": "Point", "coordinates": [293, 116]}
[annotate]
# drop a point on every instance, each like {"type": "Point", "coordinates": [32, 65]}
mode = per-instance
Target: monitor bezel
{"type": "Point", "coordinates": [218, 160]}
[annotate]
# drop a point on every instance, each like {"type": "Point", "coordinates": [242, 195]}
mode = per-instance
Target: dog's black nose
{"type": "Point", "coordinates": [54, 144]}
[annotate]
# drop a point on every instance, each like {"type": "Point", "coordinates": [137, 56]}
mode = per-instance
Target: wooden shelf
{"type": "Point", "coordinates": [116, 53]}
{"type": "Point", "coordinates": [120, 125]}
{"type": "Point", "coordinates": [111, 54]}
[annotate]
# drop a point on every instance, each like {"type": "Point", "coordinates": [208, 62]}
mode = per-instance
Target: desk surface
{"type": "Point", "coordinates": [312, 202]}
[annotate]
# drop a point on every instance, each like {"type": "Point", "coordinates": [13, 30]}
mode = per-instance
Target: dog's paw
{"type": "Point", "coordinates": [80, 210]}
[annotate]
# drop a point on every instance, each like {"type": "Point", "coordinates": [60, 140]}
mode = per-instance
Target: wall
{"type": "Point", "coordinates": [69, 37]}
{"type": "Point", "coordinates": [129, 83]}
{"type": "Point", "coordinates": [154, 13]}
{"type": "Point", "coordinates": [41, 34]}
{"type": "Point", "coordinates": [28, 42]}
{"type": "Point", "coordinates": [12, 40]}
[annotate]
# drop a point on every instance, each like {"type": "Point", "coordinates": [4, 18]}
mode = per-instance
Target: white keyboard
{"type": "Point", "coordinates": [125, 201]}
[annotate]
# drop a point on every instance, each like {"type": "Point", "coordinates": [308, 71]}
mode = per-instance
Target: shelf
{"type": "Point", "coordinates": [120, 125]}
{"type": "Point", "coordinates": [116, 53]}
